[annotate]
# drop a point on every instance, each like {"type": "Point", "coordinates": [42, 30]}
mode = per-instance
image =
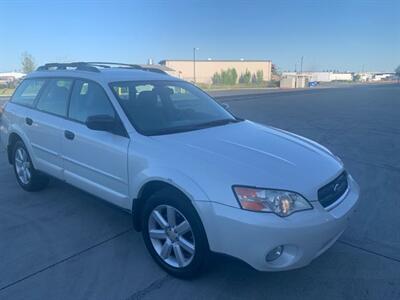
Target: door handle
{"type": "Point", "coordinates": [28, 121]}
{"type": "Point", "coordinates": [69, 135]}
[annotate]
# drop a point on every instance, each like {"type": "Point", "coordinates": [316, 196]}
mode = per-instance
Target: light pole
{"type": "Point", "coordinates": [301, 65]}
{"type": "Point", "coordinates": [194, 63]}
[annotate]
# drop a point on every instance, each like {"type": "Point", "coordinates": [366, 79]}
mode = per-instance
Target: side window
{"type": "Point", "coordinates": [27, 91]}
{"type": "Point", "coordinates": [54, 98]}
{"type": "Point", "coordinates": [89, 99]}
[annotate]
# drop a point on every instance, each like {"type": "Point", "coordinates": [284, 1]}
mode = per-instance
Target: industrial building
{"type": "Point", "coordinates": [382, 76]}
{"type": "Point", "coordinates": [202, 71]}
{"type": "Point", "coordinates": [341, 77]}
{"type": "Point", "coordinates": [322, 76]}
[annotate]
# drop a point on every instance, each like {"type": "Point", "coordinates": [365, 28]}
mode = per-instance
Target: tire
{"type": "Point", "coordinates": [190, 264]}
{"type": "Point", "coordinates": [28, 178]}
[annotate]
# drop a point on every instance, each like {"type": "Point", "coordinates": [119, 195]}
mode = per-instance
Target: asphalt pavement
{"type": "Point", "coordinates": [3, 100]}
{"type": "Point", "coordinates": [62, 243]}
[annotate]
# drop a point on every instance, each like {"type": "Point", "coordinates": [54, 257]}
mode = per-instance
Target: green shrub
{"type": "Point", "coordinates": [216, 79]}
{"type": "Point", "coordinates": [226, 77]}
{"type": "Point", "coordinates": [259, 76]}
{"type": "Point", "coordinates": [254, 79]}
{"type": "Point", "coordinates": [245, 78]}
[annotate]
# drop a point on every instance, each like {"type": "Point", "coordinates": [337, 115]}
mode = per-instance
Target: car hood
{"type": "Point", "coordinates": [251, 154]}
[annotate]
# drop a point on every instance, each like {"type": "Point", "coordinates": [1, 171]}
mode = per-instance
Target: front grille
{"type": "Point", "coordinates": [335, 189]}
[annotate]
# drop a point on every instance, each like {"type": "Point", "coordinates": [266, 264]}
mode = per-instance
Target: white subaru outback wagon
{"type": "Point", "coordinates": [195, 178]}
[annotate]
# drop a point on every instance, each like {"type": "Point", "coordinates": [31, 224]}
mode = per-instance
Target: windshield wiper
{"type": "Point", "coordinates": [216, 123]}
{"type": "Point", "coordinates": [194, 127]}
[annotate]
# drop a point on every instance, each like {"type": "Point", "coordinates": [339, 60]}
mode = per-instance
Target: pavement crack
{"type": "Point", "coordinates": [155, 285]}
{"type": "Point", "coordinates": [369, 251]}
{"type": "Point", "coordinates": [66, 259]}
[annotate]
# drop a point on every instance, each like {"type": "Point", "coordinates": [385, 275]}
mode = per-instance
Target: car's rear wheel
{"type": "Point", "coordinates": [27, 177]}
{"type": "Point", "coordinates": [174, 234]}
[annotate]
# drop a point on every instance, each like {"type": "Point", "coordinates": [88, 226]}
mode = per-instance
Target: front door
{"type": "Point", "coordinates": [95, 161]}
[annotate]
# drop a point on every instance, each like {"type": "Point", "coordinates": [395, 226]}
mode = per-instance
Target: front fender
{"type": "Point", "coordinates": [174, 177]}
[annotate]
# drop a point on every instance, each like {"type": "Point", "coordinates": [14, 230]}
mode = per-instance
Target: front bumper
{"type": "Point", "coordinates": [249, 236]}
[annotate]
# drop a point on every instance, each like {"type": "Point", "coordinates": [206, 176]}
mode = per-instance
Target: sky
{"type": "Point", "coordinates": [348, 35]}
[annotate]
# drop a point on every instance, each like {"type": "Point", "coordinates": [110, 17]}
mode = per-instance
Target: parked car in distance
{"type": "Point", "coordinates": [196, 178]}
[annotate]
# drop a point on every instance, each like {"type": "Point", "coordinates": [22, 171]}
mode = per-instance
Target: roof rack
{"type": "Point", "coordinates": [66, 66]}
{"type": "Point", "coordinates": [94, 66]}
{"type": "Point", "coordinates": [111, 64]}
{"type": "Point", "coordinates": [155, 70]}
{"type": "Point", "coordinates": [127, 66]}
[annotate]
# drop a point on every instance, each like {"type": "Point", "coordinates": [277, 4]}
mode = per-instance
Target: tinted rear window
{"type": "Point", "coordinates": [54, 98]}
{"type": "Point", "coordinates": [27, 92]}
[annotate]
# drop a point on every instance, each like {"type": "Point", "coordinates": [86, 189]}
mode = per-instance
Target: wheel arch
{"type": "Point", "coordinates": [12, 139]}
{"type": "Point", "coordinates": [157, 184]}
{"type": "Point", "coordinates": [16, 133]}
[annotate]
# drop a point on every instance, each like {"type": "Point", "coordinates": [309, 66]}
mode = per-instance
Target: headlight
{"type": "Point", "coordinates": [282, 203]}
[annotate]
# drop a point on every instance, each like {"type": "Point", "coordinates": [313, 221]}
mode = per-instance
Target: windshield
{"type": "Point", "coordinates": [162, 107]}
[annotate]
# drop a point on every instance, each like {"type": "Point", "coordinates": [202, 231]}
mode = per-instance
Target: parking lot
{"type": "Point", "coordinates": [62, 243]}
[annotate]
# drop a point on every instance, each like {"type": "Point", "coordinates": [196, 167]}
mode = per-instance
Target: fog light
{"type": "Point", "coordinates": [274, 254]}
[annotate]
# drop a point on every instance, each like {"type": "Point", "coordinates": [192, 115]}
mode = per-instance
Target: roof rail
{"type": "Point", "coordinates": [111, 64]}
{"type": "Point", "coordinates": [81, 66]}
{"type": "Point", "coordinates": [155, 70]}
{"type": "Point", "coordinates": [94, 66]}
{"type": "Point", "coordinates": [128, 66]}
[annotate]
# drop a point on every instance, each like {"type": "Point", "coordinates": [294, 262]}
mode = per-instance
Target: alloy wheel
{"type": "Point", "coordinates": [23, 165]}
{"type": "Point", "coordinates": [171, 236]}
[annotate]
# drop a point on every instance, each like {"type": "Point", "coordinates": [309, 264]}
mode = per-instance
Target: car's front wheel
{"type": "Point", "coordinates": [28, 178]}
{"type": "Point", "coordinates": [174, 235]}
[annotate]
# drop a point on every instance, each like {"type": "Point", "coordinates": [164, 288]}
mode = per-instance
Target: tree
{"type": "Point", "coordinates": [274, 70]}
{"type": "Point", "coordinates": [28, 63]}
{"type": "Point", "coordinates": [245, 78]}
{"type": "Point", "coordinates": [229, 77]}
{"type": "Point", "coordinates": [226, 77]}
{"type": "Point", "coordinates": [234, 76]}
{"type": "Point", "coordinates": [216, 79]}
{"type": "Point", "coordinates": [259, 76]}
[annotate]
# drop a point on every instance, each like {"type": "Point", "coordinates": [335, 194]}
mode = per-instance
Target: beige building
{"type": "Point", "coordinates": [203, 70]}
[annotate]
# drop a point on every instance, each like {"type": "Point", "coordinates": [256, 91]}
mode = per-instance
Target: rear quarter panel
{"type": "Point", "coordinates": [12, 121]}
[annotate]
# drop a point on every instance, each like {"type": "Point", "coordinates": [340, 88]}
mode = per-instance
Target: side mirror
{"type": "Point", "coordinates": [101, 123]}
{"type": "Point", "coordinates": [225, 105]}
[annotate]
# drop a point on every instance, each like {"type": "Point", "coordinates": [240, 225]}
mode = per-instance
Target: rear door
{"type": "Point", "coordinates": [20, 109]}
{"type": "Point", "coordinates": [96, 161]}
{"type": "Point", "coordinates": [47, 125]}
